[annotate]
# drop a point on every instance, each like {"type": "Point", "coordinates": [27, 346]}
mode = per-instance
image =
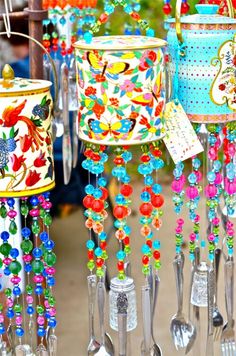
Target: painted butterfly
{"type": "Point", "coordinates": [111, 70]}
{"type": "Point", "coordinates": [118, 129]}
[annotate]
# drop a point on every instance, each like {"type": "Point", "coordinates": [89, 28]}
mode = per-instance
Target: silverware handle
{"type": "Point", "coordinates": [156, 289]}
{"type": "Point", "coordinates": [211, 293]}
{"type": "Point", "coordinates": [218, 252]}
{"type": "Point", "coordinates": [64, 93]}
{"type": "Point", "coordinates": [146, 310]}
{"type": "Point", "coordinates": [150, 284]}
{"type": "Point", "coordinates": [122, 333]}
{"type": "Point", "coordinates": [101, 308]}
{"type": "Point", "coordinates": [197, 256]}
{"type": "Point", "coordinates": [92, 284]}
{"type": "Point", "coordinates": [229, 289]}
{"type": "Point", "coordinates": [178, 265]}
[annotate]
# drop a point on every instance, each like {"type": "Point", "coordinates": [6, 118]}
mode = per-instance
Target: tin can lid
{"type": "Point", "coordinates": [125, 285]}
{"type": "Point", "coordinates": [9, 85]}
{"type": "Point", "coordinates": [113, 43]}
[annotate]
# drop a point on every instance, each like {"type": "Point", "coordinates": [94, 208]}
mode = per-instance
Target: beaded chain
{"type": "Point", "coordinates": [167, 8]}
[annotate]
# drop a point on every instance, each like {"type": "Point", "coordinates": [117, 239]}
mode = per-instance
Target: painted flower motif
{"type": "Point", "coordinates": [11, 115]}
{"type": "Point", "coordinates": [98, 109]}
{"type": "Point", "coordinates": [90, 91]}
{"type": "Point", "coordinates": [4, 153]}
{"type": "Point", "coordinates": [42, 110]}
{"type": "Point", "coordinates": [127, 86]}
{"type": "Point", "coordinates": [25, 143]}
{"type": "Point", "coordinates": [17, 162]}
{"type": "Point", "coordinates": [40, 161]}
{"type": "Point", "coordinates": [32, 178]}
{"type": "Point", "coordinates": [148, 58]}
{"type": "Point", "coordinates": [100, 78]}
{"type": "Point", "coordinates": [114, 102]}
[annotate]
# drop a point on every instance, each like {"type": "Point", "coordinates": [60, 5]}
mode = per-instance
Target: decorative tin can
{"type": "Point", "coordinates": [121, 89]}
{"type": "Point", "coordinates": [206, 70]}
{"type": "Point", "coordinates": [26, 151]}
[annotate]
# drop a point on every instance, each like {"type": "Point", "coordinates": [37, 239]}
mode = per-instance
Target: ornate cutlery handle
{"type": "Point", "coordinates": [146, 309]}
{"type": "Point", "coordinates": [122, 307]}
{"type": "Point", "coordinates": [211, 293]}
{"type": "Point", "coordinates": [178, 265]}
{"type": "Point", "coordinates": [101, 308]}
{"type": "Point", "coordinates": [229, 289]}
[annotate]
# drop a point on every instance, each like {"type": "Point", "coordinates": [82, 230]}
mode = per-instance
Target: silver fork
{"type": "Point", "coordinates": [217, 317]}
{"type": "Point", "coordinates": [228, 337]}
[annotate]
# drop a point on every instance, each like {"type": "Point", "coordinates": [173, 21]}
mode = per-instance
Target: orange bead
{"type": "Point", "coordinates": [145, 230]}
{"type": "Point", "coordinates": [97, 228]}
{"type": "Point", "coordinates": [89, 223]}
{"type": "Point", "coordinates": [120, 234]}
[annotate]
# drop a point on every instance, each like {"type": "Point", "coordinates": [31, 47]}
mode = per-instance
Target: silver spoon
{"type": "Point", "coordinates": [155, 350]}
{"type": "Point", "coordinates": [93, 345]}
{"type": "Point", "coordinates": [106, 348]}
{"type": "Point", "coordinates": [182, 332]}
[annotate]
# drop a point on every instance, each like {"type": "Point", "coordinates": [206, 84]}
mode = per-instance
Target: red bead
{"type": "Point", "coordinates": [95, 157]}
{"type": "Point", "coordinates": [104, 193]}
{"type": "Point", "coordinates": [88, 153]}
{"type": "Point", "coordinates": [135, 16]}
{"type": "Point", "coordinates": [103, 18]}
{"type": "Point", "coordinates": [118, 161]}
{"type": "Point", "coordinates": [103, 245]}
{"type": "Point", "coordinates": [146, 209]}
{"type": "Point", "coordinates": [156, 255]}
{"type": "Point", "coordinates": [184, 8]}
{"type": "Point", "coordinates": [149, 243]}
{"type": "Point", "coordinates": [90, 255]}
{"type": "Point", "coordinates": [167, 9]}
{"type": "Point", "coordinates": [148, 189]}
{"type": "Point", "coordinates": [87, 201]}
{"type": "Point", "coordinates": [126, 190]}
{"type": "Point", "coordinates": [144, 158]}
{"type": "Point", "coordinates": [126, 240]}
{"type": "Point", "coordinates": [157, 200]}
{"type": "Point", "coordinates": [97, 205]}
{"type": "Point", "coordinates": [120, 265]}
{"type": "Point", "coordinates": [102, 148]}
{"type": "Point", "coordinates": [156, 152]}
{"type": "Point", "coordinates": [145, 260]}
{"type": "Point", "coordinates": [63, 52]}
{"type": "Point", "coordinates": [120, 212]}
{"type": "Point", "coordinates": [99, 262]}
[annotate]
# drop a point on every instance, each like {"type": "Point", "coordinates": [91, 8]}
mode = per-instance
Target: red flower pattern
{"type": "Point", "coordinates": [90, 91]}
{"type": "Point", "coordinates": [40, 161]}
{"type": "Point", "coordinates": [25, 143]}
{"type": "Point", "coordinates": [32, 178]}
{"type": "Point", "coordinates": [17, 162]}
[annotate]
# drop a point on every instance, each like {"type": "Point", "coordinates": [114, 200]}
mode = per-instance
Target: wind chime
{"type": "Point", "coordinates": [121, 90]}
{"type": "Point", "coordinates": [26, 176]}
{"type": "Point", "coordinates": [202, 59]}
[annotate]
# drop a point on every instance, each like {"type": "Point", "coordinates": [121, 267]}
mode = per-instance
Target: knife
{"type": "Point", "coordinates": [66, 141]}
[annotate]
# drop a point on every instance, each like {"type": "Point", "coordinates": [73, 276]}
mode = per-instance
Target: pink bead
{"type": "Point", "coordinates": [197, 219]}
{"type": "Point", "coordinates": [212, 154]}
{"type": "Point", "coordinates": [51, 271]}
{"type": "Point", "coordinates": [24, 198]}
{"type": "Point", "coordinates": [34, 212]}
{"type": "Point", "coordinates": [210, 191]}
{"type": "Point", "coordinates": [9, 302]}
{"type": "Point", "coordinates": [29, 299]}
{"type": "Point", "coordinates": [229, 224]}
{"type": "Point", "coordinates": [231, 188]}
{"type": "Point", "coordinates": [38, 279]}
{"type": "Point", "coordinates": [40, 320]}
{"type": "Point", "coordinates": [48, 205]}
{"type": "Point", "coordinates": [211, 237]}
{"type": "Point", "coordinates": [18, 320]}
{"type": "Point", "coordinates": [219, 178]}
{"type": "Point", "coordinates": [178, 230]}
{"type": "Point", "coordinates": [11, 214]}
{"type": "Point", "coordinates": [230, 232]}
{"type": "Point", "coordinates": [192, 237]}
{"type": "Point", "coordinates": [177, 186]}
{"type": "Point", "coordinates": [3, 200]}
{"type": "Point", "coordinates": [1, 318]}
{"type": "Point", "coordinates": [27, 258]}
{"type": "Point", "coordinates": [182, 179]}
{"type": "Point", "coordinates": [7, 260]}
{"type": "Point", "coordinates": [15, 280]}
{"type": "Point", "coordinates": [198, 175]}
{"type": "Point", "coordinates": [46, 304]}
{"type": "Point", "coordinates": [180, 222]}
{"type": "Point", "coordinates": [41, 199]}
{"type": "Point", "coordinates": [231, 149]}
{"type": "Point", "coordinates": [191, 192]}
{"type": "Point", "coordinates": [52, 311]}
{"type": "Point", "coordinates": [216, 221]}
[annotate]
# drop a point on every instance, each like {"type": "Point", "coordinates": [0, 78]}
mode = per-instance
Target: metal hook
{"type": "Point", "coordinates": [6, 17]}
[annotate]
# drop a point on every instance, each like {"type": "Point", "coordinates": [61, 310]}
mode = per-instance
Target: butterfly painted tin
{"type": "Point", "coordinates": [121, 89]}
{"type": "Point", "coordinates": [26, 151]}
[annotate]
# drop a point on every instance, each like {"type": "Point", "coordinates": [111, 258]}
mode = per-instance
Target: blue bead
{"type": "Point", "coordinates": [156, 244]}
{"type": "Point", "coordinates": [120, 200]}
{"type": "Point", "coordinates": [148, 180]}
{"type": "Point", "coordinates": [89, 189]}
{"type": "Point", "coordinates": [150, 32]}
{"type": "Point", "coordinates": [211, 176]}
{"type": "Point", "coordinates": [230, 211]}
{"type": "Point", "coordinates": [90, 244]}
{"type": "Point", "coordinates": [102, 182]}
{"type": "Point", "coordinates": [62, 21]}
{"type": "Point", "coordinates": [145, 249]}
{"type": "Point", "coordinates": [38, 290]}
{"type": "Point", "coordinates": [52, 322]}
{"type": "Point", "coordinates": [157, 188]}
{"type": "Point", "coordinates": [43, 236]}
{"type": "Point", "coordinates": [196, 163]}
{"type": "Point", "coordinates": [30, 310]}
{"type": "Point", "coordinates": [51, 281]}
{"type": "Point", "coordinates": [28, 268]}
{"type": "Point", "coordinates": [44, 273]}
{"type": "Point", "coordinates": [97, 193]}
{"type": "Point", "coordinates": [37, 252]}
{"type": "Point", "coordinates": [191, 257]}
{"type": "Point", "coordinates": [47, 315]}
{"type": "Point", "coordinates": [14, 253]}
{"type": "Point", "coordinates": [126, 179]}
{"type": "Point", "coordinates": [230, 175]}
{"type": "Point", "coordinates": [6, 271]}
{"type": "Point", "coordinates": [217, 165]}
{"type": "Point", "coordinates": [11, 202]}
{"type": "Point", "coordinates": [102, 236]}
{"type": "Point", "coordinates": [10, 313]}
{"type": "Point", "coordinates": [46, 195]}
{"type": "Point", "coordinates": [192, 178]}
{"type": "Point", "coordinates": [34, 201]}
{"type": "Point", "coordinates": [104, 157]}
{"type": "Point", "coordinates": [203, 243]}
{"type": "Point", "coordinates": [150, 235]}
{"type": "Point", "coordinates": [2, 329]}
{"type": "Point", "coordinates": [120, 255]}
{"type": "Point", "coordinates": [118, 172]}
{"type": "Point", "coordinates": [127, 229]}
{"type": "Point", "coordinates": [127, 156]}
{"type": "Point", "coordinates": [157, 163]}
{"type": "Point", "coordinates": [49, 245]}
{"type": "Point", "coordinates": [180, 165]}
{"type": "Point", "coordinates": [145, 196]}
{"type": "Point", "coordinates": [16, 291]}
{"type": "Point", "coordinates": [98, 252]}
{"type": "Point", "coordinates": [177, 249]}
{"type": "Point", "coordinates": [25, 232]}
{"type": "Point", "coordinates": [137, 7]}
{"type": "Point", "coordinates": [109, 9]}
{"type": "Point", "coordinates": [41, 331]}
{"type": "Point", "coordinates": [5, 235]}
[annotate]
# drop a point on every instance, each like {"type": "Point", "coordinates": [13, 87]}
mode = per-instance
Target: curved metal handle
{"type": "Point", "coordinates": [178, 265]}
{"type": "Point", "coordinates": [101, 292]}
{"type": "Point", "coordinates": [44, 49]}
{"type": "Point", "coordinates": [229, 290]}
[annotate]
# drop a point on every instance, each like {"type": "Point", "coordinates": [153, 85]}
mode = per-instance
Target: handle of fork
{"type": "Point", "coordinates": [178, 265]}
{"type": "Point", "coordinates": [229, 289]}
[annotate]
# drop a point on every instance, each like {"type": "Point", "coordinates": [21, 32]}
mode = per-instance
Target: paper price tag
{"type": "Point", "coordinates": [181, 139]}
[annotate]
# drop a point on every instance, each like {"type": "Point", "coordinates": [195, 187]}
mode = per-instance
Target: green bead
{"type": "Point", "coordinates": [15, 267]}
{"type": "Point", "coordinates": [145, 270]}
{"type": "Point", "coordinates": [145, 148]}
{"type": "Point", "coordinates": [47, 220]}
{"type": "Point", "coordinates": [157, 264]}
{"type": "Point", "coordinates": [211, 128]}
{"type": "Point", "coordinates": [127, 250]}
{"type": "Point", "coordinates": [42, 213]}
{"type": "Point", "coordinates": [17, 308]}
{"type": "Point", "coordinates": [104, 255]}
{"type": "Point", "coordinates": [160, 213]}
{"type": "Point", "coordinates": [51, 301]}
{"type": "Point", "coordinates": [40, 309]}
{"type": "Point", "coordinates": [5, 249]}
{"type": "Point", "coordinates": [149, 254]}
{"type": "Point", "coordinates": [8, 292]}
{"type": "Point", "coordinates": [1, 307]}
{"type": "Point", "coordinates": [13, 227]}
{"type": "Point", "coordinates": [216, 230]}
{"type": "Point", "coordinates": [1, 263]}
{"type": "Point", "coordinates": [37, 266]}
{"type": "Point", "coordinates": [3, 212]}
{"type": "Point", "coordinates": [29, 289]}
{"type": "Point", "coordinates": [121, 275]}
{"type": "Point", "coordinates": [118, 151]}
{"type": "Point", "coordinates": [100, 272]}
{"type": "Point", "coordinates": [50, 258]}
{"type": "Point", "coordinates": [47, 293]}
{"type": "Point", "coordinates": [90, 265]}
{"type": "Point", "coordinates": [27, 246]}
{"type": "Point", "coordinates": [24, 210]}
{"type": "Point", "coordinates": [35, 227]}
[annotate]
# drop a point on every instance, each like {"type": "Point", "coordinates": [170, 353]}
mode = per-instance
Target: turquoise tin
{"type": "Point", "coordinates": [206, 64]}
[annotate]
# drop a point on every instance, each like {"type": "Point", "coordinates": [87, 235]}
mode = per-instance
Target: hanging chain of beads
{"type": "Point", "coordinates": [167, 8]}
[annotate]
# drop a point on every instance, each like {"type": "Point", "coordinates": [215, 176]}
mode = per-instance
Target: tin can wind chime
{"type": "Point", "coordinates": [121, 92]}
{"type": "Point", "coordinates": [27, 173]}
{"type": "Point", "coordinates": [202, 59]}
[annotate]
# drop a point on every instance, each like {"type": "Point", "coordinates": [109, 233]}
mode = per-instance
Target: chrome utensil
{"type": "Point", "coordinates": [211, 293]}
{"type": "Point", "coordinates": [106, 348]}
{"type": "Point", "coordinates": [228, 347]}
{"type": "Point", "coordinates": [146, 311]}
{"type": "Point", "coordinates": [73, 106]}
{"type": "Point", "coordinates": [199, 288]}
{"type": "Point", "coordinates": [122, 307]}
{"type": "Point", "coordinates": [66, 141]}
{"type": "Point", "coordinates": [92, 285]}
{"type": "Point", "coordinates": [52, 345]}
{"type": "Point", "coordinates": [217, 317]}
{"type": "Point", "coordinates": [155, 349]}
{"type": "Point", "coordinates": [75, 139]}
{"type": "Point", "coordinates": [181, 331]}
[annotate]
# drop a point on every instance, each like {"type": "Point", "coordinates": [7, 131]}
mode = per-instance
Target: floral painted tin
{"type": "Point", "coordinates": [121, 89]}
{"type": "Point", "coordinates": [26, 152]}
{"type": "Point", "coordinates": [206, 73]}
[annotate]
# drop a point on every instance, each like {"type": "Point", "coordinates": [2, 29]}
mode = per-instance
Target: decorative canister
{"type": "Point", "coordinates": [126, 286]}
{"type": "Point", "coordinates": [121, 89]}
{"type": "Point", "coordinates": [203, 53]}
{"type": "Point", "coordinates": [26, 152]}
